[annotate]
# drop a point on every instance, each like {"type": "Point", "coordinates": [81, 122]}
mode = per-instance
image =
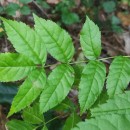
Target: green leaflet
{"type": "Point", "coordinates": [90, 39]}
{"type": "Point", "coordinates": [66, 105]}
{"type": "Point", "coordinates": [58, 86]}
{"type": "Point", "coordinates": [19, 125]}
{"type": "Point", "coordinates": [91, 84]}
{"type": "Point", "coordinates": [14, 67]}
{"type": "Point", "coordinates": [106, 122]}
{"type": "Point", "coordinates": [71, 121]}
{"type": "Point", "coordinates": [29, 91]}
{"type": "Point", "coordinates": [58, 41]}
{"type": "Point", "coordinates": [119, 104]}
{"type": "Point", "coordinates": [32, 114]}
{"type": "Point", "coordinates": [44, 128]}
{"type": "Point", "coordinates": [119, 75]}
{"type": "Point", "coordinates": [25, 40]}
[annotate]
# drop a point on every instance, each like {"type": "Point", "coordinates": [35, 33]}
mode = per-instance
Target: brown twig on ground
{"type": "Point", "coordinates": [113, 47]}
{"type": "Point", "coordinates": [39, 7]}
{"type": "Point", "coordinates": [2, 120]}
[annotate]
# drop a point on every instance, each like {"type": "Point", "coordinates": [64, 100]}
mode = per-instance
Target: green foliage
{"type": "Point", "coordinates": [33, 115]}
{"type": "Point", "coordinates": [88, 3]}
{"type": "Point", "coordinates": [21, 125]}
{"type": "Point", "coordinates": [25, 1]}
{"type": "Point", "coordinates": [13, 65]}
{"type": "Point", "coordinates": [44, 128]}
{"type": "Point", "coordinates": [58, 41]}
{"type": "Point", "coordinates": [43, 4]}
{"type": "Point", "coordinates": [106, 122]}
{"type": "Point", "coordinates": [25, 10]}
{"type": "Point", "coordinates": [91, 84]}
{"type": "Point", "coordinates": [11, 9]}
{"type": "Point", "coordinates": [38, 94]}
{"type": "Point", "coordinates": [58, 86]}
{"type": "Point", "coordinates": [119, 104]}
{"type": "Point", "coordinates": [23, 42]}
{"type": "Point", "coordinates": [115, 21]}
{"type": "Point", "coordinates": [31, 89]}
{"type": "Point", "coordinates": [118, 77]}
{"type": "Point", "coordinates": [90, 39]}
{"type": "Point", "coordinates": [68, 17]}
{"type": "Point", "coordinates": [109, 6]}
{"type": "Point", "coordinates": [71, 121]}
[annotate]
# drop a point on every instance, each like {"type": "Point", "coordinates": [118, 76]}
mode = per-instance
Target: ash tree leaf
{"type": "Point", "coordinates": [25, 40]}
{"type": "Point", "coordinates": [29, 91]}
{"type": "Point", "coordinates": [90, 40]}
{"type": "Point", "coordinates": [32, 114]}
{"type": "Point", "coordinates": [119, 76]}
{"type": "Point", "coordinates": [106, 122]}
{"type": "Point", "coordinates": [14, 66]}
{"type": "Point", "coordinates": [119, 104]}
{"type": "Point", "coordinates": [58, 86]}
{"type": "Point", "coordinates": [18, 124]}
{"type": "Point", "coordinates": [71, 121]}
{"type": "Point", "coordinates": [91, 84]}
{"type": "Point", "coordinates": [58, 42]}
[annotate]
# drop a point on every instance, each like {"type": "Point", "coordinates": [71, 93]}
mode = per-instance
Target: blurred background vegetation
{"type": "Point", "coordinates": [112, 17]}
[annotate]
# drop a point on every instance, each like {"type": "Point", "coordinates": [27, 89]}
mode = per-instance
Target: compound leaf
{"type": "Point", "coordinates": [119, 104]}
{"type": "Point", "coordinates": [32, 114]}
{"type": "Point", "coordinates": [90, 39]}
{"type": "Point", "coordinates": [71, 121]}
{"type": "Point", "coordinates": [58, 41]}
{"type": "Point", "coordinates": [58, 85]}
{"type": "Point", "coordinates": [29, 91]}
{"type": "Point", "coordinates": [14, 66]}
{"type": "Point", "coordinates": [25, 40]}
{"type": "Point", "coordinates": [18, 124]}
{"type": "Point", "coordinates": [91, 84]}
{"type": "Point", "coordinates": [106, 122]}
{"type": "Point", "coordinates": [118, 77]}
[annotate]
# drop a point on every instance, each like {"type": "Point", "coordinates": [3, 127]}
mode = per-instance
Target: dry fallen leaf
{"type": "Point", "coordinates": [53, 1]}
{"type": "Point", "coordinates": [125, 18]}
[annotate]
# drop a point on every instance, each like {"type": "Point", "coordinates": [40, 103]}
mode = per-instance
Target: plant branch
{"type": "Point", "coordinates": [39, 7]}
{"type": "Point", "coordinates": [52, 119]}
{"type": "Point", "coordinates": [85, 61]}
